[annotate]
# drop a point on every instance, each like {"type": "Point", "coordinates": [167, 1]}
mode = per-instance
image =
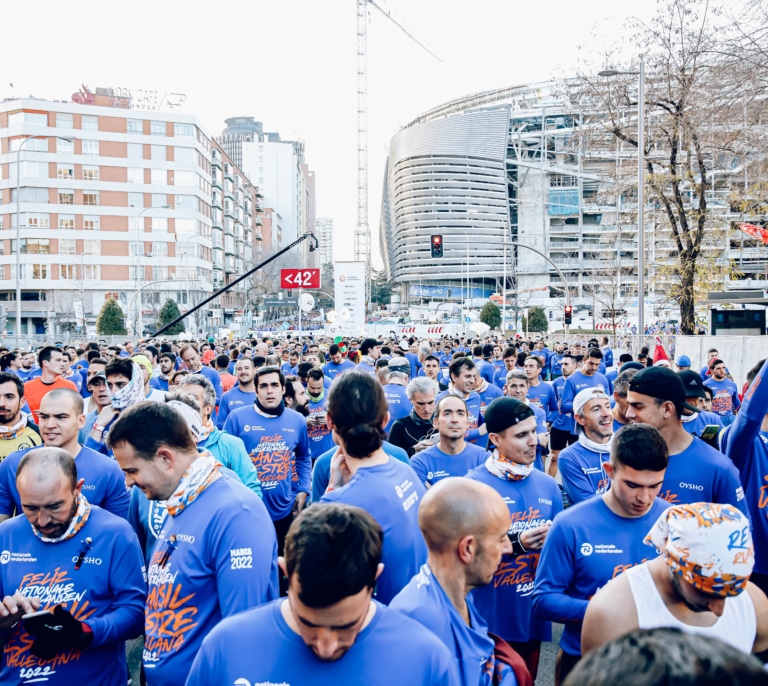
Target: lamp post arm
{"type": "Point", "coordinates": [215, 295]}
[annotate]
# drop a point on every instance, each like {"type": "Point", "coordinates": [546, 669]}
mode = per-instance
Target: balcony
{"type": "Point", "coordinates": [216, 181]}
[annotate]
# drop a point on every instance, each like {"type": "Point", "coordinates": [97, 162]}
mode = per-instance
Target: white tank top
{"type": "Point", "coordinates": [737, 626]}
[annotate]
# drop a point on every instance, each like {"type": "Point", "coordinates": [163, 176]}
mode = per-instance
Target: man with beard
{"type": "Point", "coordinates": [243, 394]}
{"type": "Point", "coordinates": [79, 563]}
{"type": "Point", "coordinates": [167, 367]}
{"type": "Point", "coordinates": [29, 369]}
{"type": "Point", "coordinates": [96, 381]}
{"type": "Point", "coordinates": [581, 464]}
{"type": "Point", "coordinates": [463, 372]}
{"type": "Point", "coordinates": [61, 416]}
{"type": "Point", "coordinates": [16, 432]}
{"type": "Point", "coordinates": [295, 395]}
{"type": "Point", "coordinates": [320, 436]}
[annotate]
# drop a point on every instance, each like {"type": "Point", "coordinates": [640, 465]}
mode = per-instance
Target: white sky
{"type": "Point", "coordinates": [292, 64]}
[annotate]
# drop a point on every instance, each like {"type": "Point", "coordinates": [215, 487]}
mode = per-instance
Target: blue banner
{"type": "Point", "coordinates": [448, 292]}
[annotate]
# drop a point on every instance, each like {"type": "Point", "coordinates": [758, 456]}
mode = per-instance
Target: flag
{"type": "Point", "coordinates": [658, 352]}
{"type": "Point", "coordinates": [757, 232]}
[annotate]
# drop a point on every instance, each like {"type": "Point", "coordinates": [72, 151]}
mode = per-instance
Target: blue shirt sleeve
{"type": "Point", "coordinates": [738, 439]}
{"type": "Point", "coordinates": [566, 400]}
{"type": "Point", "coordinates": [553, 579]}
{"type": "Point", "coordinates": [126, 610]}
{"type": "Point", "coordinates": [303, 457]}
{"type": "Point", "coordinates": [321, 474]}
{"type": "Point", "coordinates": [576, 483]}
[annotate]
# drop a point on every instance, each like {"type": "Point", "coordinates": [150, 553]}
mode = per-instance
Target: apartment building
{"type": "Point", "coordinates": [110, 201]}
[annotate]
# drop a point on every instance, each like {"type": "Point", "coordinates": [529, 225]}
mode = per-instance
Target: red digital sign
{"type": "Point", "coordinates": [300, 278]}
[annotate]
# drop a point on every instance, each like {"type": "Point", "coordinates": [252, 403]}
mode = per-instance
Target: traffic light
{"type": "Point", "coordinates": [568, 314]}
{"type": "Point", "coordinates": [437, 245]}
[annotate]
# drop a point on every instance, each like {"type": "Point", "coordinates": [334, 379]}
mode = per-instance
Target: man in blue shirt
{"type": "Point", "coordinates": [276, 438]}
{"type": "Point", "coordinates": [533, 499]}
{"type": "Point", "coordinates": [216, 554]}
{"type": "Point", "coordinates": [540, 393]}
{"type": "Point", "coordinates": [61, 417]}
{"type": "Point", "coordinates": [465, 526]}
{"type": "Point", "coordinates": [337, 365]}
{"type": "Point", "coordinates": [462, 372]}
{"type": "Point", "coordinates": [243, 394]}
{"type": "Point", "coordinates": [370, 349]}
{"type": "Point", "coordinates": [320, 436]}
{"type": "Point", "coordinates": [167, 366]}
{"type": "Point", "coordinates": [328, 630]}
{"type": "Point", "coordinates": [586, 377]}
{"type": "Point", "coordinates": [592, 542]}
{"type": "Point", "coordinates": [582, 464]}
{"type": "Point", "coordinates": [190, 357]}
{"type": "Point", "coordinates": [696, 471]}
{"type": "Point", "coordinates": [451, 455]}
{"type": "Point", "coordinates": [78, 562]}
{"type": "Point", "coordinates": [725, 400]}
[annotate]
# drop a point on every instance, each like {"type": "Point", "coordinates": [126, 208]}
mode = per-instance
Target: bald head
{"type": "Point", "coordinates": [46, 465]}
{"type": "Point", "coordinates": [457, 507]}
{"type": "Point", "coordinates": [74, 399]}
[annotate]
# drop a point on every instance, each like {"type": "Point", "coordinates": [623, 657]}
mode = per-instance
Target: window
{"type": "Point", "coordinates": [135, 248]}
{"type": "Point", "coordinates": [91, 223]}
{"type": "Point", "coordinates": [64, 120]}
{"type": "Point", "coordinates": [185, 226]}
{"type": "Point", "coordinates": [29, 194]}
{"type": "Point", "coordinates": [65, 171]}
{"type": "Point", "coordinates": [36, 246]}
{"type": "Point", "coordinates": [135, 175]}
{"type": "Point", "coordinates": [185, 178]}
{"type": "Point", "coordinates": [91, 272]}
{"type": "Point", "coordinates": [39, 118]}
{"type": "Point", "coordinates": [91, 247]}
{"type": "Point", "coordinates": [186, 202]}
{"type": "Point", "coordinates": [159, 224]}
{"type": "Point", "coordinates": [66, 197]}
{"type": "Point", "coordinates": [36, 220]}
{"type": "Point", "coordinates": [90, 147]}
{"type": "Point", "coordinates": [184, 155]}
{"type": "Point", "coordinates": [90, 173]}
{"type": "Point", "coordinates": [159, 273]}
{"type": "Point", "coordinates": [157, 128]}
{"type": "Point", "coordinates": [30, 169]}
{"type": "Point", "coordinates": [38, 271]}
{"type": "Point", "coordinates": [91, 198]}
{"type": "Point", "coordinates": [67, 222]}
{"type": "Point", "coordinates": [135, 151]}
{"type": "Point", "coordinates": [159, 249]}
{"type": "Point", "coordinates": [62, 146]}
{"type": "Point", "coordinates": [89, 123]}
{"type": "Point", "coordinates": [67, 271]}
{"type": "Point", "coordinates": [158, 177]}
{"type": "Point", "coordinates": [66, 246]}
{"type": "Point", "coordinates": [159, 199]}
{"type": "Point", "coordinates": [157, 153]}
{"type": "Point", "coordinates": [136, 199]}
{"type": "Point", "coordinates": [183, 129]}
{"type": "Point", "coordinates": [135, 126]}
{"type": "Point", "coordinates": [133, 276]}
{"type": "Point", "coordinates": [35, 144]}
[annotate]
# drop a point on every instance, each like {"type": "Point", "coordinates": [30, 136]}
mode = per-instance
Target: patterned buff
{"type": "Point", "coordinates": [191, 417]}
{"type": "Point", "coordinates": [195, 480]}
{"type": "Point", "coordinates": [8, 433]}
{"type": "Point", "coordinates": [131, 393]}
{"type": "Point", "coordinates": [206, 431]}
{"type": "Point", "coordinates": [709, 545]}
{"type": "Point", "coordinates": [511, 471]}
{"type": "Point", "coordinates": [77, 523]}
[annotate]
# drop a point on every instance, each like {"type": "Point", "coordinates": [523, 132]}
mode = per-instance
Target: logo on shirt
{"type": "Point", "coordinates": [586, 549]}
{"type": "Point", "coordinates": [241, 558]}
{"type": "Point", "coordinates": [7, 556]}
{"type": "Point", "coordinates": [691, 487]}
{"type": "Point", "coordinates": [402, 489]}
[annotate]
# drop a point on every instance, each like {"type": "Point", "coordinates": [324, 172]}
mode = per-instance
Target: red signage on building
{"type": "Point", "coordinates": [300, 278]}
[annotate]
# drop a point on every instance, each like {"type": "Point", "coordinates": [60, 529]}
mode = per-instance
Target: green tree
{"type": "Point", "coordinates": [491, 315]}
{"type": "Point", "coordinates": [537, 320]}
{"type": "Point", "coordinates": [110, 319]}
{"type": "Point", "coordinates": [381, 289]}
{"type": "Point", "coordinates": [168, 313]}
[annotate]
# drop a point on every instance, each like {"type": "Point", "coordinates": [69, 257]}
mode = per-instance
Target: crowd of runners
{"type": "Point", "coordinates": [283, 510]}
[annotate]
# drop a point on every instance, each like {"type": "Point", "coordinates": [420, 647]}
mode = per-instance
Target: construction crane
{"type": "Point", "coordinates": [362, 229]}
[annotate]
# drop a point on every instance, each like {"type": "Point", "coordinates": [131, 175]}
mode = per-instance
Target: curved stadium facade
{"type": "Point", "coordinates": [511, 162]}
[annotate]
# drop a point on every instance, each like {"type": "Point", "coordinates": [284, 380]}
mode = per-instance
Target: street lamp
{"type": "Point", "coordinates": [640, 189]}
{"type": "Point", "coordinates": [18, 227]}
{"type": "Point", "coordinates": [138, 266]}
